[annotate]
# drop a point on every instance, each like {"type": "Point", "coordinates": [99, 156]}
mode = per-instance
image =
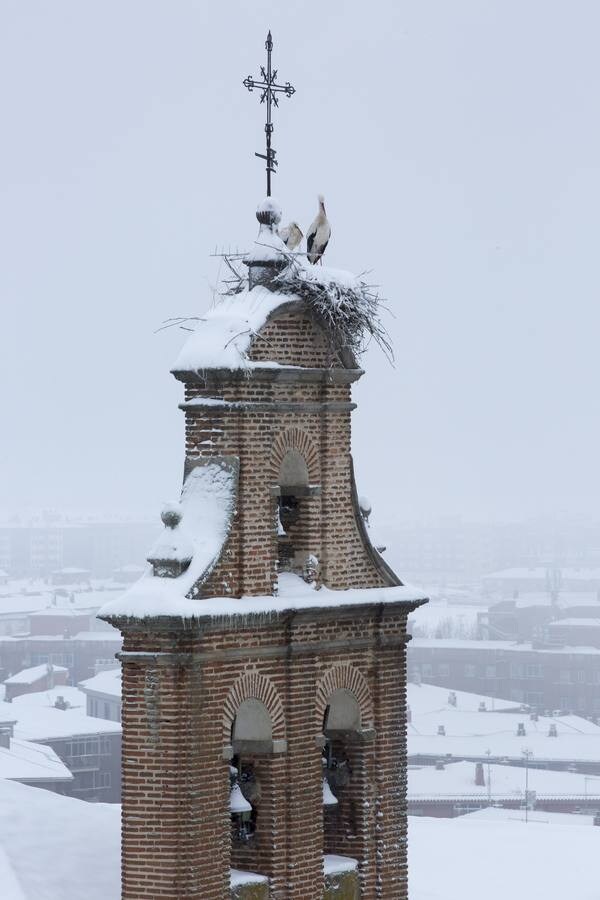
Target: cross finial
{"type": "Point", "coordinates": [269, 89]}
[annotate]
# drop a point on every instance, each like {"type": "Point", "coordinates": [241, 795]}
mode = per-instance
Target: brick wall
{"type": "Point", "coordinates": [177, 839]}
{"type": "Point", "coordinates": [182, 681]}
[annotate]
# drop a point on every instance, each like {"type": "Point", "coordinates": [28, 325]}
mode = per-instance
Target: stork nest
{"type": "Point", "coordinates": [350, 311]}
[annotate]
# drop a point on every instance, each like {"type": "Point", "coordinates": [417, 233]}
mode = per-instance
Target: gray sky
{"type": "Point", "coordinates": [457, 144]}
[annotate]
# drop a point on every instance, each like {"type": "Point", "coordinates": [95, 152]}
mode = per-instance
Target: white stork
{"type": "Point", "coordinates": [291, 235]}
{"type": "Point", "coordinates": [318, 234]}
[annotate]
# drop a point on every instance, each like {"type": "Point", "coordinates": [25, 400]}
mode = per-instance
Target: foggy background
{"type": "Point", "coordinates": [457, 146]}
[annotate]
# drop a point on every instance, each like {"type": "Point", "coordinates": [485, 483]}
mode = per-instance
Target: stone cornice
{"type": "Point", "coordinates": [283, 374]}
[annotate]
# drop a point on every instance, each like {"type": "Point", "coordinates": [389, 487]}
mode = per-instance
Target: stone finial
{"type": "Point", "coordinates": [268, 213]}
{"type": "Point", "coordinates": [172, 553]}
{"type": "Point", "coordinates": [269, 255]}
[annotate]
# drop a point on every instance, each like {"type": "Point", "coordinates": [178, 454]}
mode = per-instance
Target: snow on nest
{"type": "Point", "coordinates": [207, 501]}
{"type": "Point", "coordinates": [223, 336]}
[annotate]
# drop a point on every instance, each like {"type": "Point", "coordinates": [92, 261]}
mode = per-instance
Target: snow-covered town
{"type": "Point", "coordinates": [299, 524]}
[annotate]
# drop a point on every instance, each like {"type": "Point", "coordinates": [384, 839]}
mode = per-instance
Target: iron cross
{"type": "Point", "coordinates": [269, 89]}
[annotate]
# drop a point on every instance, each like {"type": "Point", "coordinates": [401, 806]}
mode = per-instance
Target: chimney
{"type": "Point", "coordinates": [452, 698]}
{"type": "Point", "coordinates": [408, 715]}
{"type": "Point", "coordinates": [439, 765]}
{"type": "Point", "coordinates": [521, 730]}
{"type": "Point", "coordinates": [552, 730]}
{"type": "Point", "coordinates": [482, 706]}
{"type": "Point", "coordinates": [442, 730]}
{"type": "Point", "coordinates": [479, 776]}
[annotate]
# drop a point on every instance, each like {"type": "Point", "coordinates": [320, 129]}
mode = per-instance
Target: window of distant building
{"type": "Point", "coordinates": [581, 676]}
{"type": "Point", "coordinates": [564, 676]}
{"type": "Point", "coordinates": [427, 670]}
{"type": "Point", "coordinates": [444, 670]}
{"type": "Point", "coordinates": [490, 671]}
{"type": "Point", "coordinates": [470, 671]}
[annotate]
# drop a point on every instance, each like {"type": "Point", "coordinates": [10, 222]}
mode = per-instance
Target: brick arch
{"type": "Point", "coordinates": [253, 685]}
{"type": "Point", "coordinates": [295, 439]}
{"type": "Point", "coordinates": [344, 676]}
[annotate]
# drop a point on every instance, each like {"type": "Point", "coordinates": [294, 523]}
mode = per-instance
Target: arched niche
{"type": "Point", "coordinates": [293, 472]}
{"type": "Point", "coordinates": [342, 712]}
{"type": "Point", "coordinates": [252, 729]}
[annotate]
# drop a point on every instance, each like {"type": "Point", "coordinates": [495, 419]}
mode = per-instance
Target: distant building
{"type": "Point", "coordinates": [544, 677]}
{"type": "Point", "coordinates": [103, 693]}
{"type": "Point", "coordinates": [30, 763]}
{"type": "Point", "coordinates": [90, 748]}
{"type": "Point", "coordinates": [37, 678]}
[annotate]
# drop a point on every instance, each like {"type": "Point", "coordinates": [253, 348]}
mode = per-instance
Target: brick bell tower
{"type": "Point", "coordinates": [264, 656]}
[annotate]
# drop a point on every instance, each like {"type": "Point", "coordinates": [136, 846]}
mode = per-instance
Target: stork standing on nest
{"type": "Point", "coordinates": [318, 235]}
{"type": "Point", "coordinates": [291, 235]}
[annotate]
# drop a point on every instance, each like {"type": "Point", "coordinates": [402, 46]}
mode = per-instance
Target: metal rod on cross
{"type": "Point", "coordinates": [269, 89]}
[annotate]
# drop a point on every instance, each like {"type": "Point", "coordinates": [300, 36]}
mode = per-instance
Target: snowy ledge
{"type": "Point", "coordinates": [150, 600]}
{"type": "Point", "coordinates": [238, 878]}
{"type": "Point", "coordinates": [338, 865]}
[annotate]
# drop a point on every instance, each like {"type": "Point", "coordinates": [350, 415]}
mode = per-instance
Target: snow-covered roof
{"type": "Point", "coordinates": [457, 781]}
{"type": "Point", "coordinates": [537, 572]}
{"type": "Point", "coordinates": [57, 848]}
{"type": "Point", "coordinates": [513, 646]}
{"type": "Point", "coordinates": [293, 594]}
{"type": "Point", "coordinates": [107, 683]}
{"type": "Point", "coordinates": [535, 816]}
{"type": "Point", "coordinates": [36, 723]}
{"type": "Point", "coordinates": [468, 858]}
{"type": "Point", "coordinates": [207, 502]}
{"type": "Point", "coordinates": [429, 698]}
{"type": "Point", "coordinates": [224, 334]}
{"type": "Point", "coordinates": [35, 673]}
{"type": "Point", "coordinates": [45, 699]}
{"type": "Point", "coordinates": [469, 735]}
{"type": "Point", "coordinates": [29, 762]}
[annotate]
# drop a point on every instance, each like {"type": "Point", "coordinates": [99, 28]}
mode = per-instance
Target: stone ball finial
{"type": "Point", "coordinates": [269, 212]}
{"type": "Point", "coordinates": [171, 514]}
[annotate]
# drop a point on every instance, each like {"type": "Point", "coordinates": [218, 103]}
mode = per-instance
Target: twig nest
{"type": "Point", "coordinates": [268, 212]}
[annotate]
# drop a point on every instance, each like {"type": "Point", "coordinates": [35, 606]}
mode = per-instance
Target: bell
{"type": "Point", "coordinates": [237, 802]}
{"type": "Point", "coordinates": [329, 798]}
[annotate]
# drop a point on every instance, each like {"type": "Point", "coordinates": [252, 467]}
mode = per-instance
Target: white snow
{"type": "Point", "coordinates": [36, 673]}
{"type": "Point", "coordinates": [238, 878]}
{"type": "Point", "coordinates": [336, 865]}
{"type": "Point", "coordinates": [426, 698]}
{"type": "Point", "coordinates": [57, 848]}
{"type": "Point", "coordinates": [293, 594]}
{"type": "Point", "coordinates": [223, 336]}
{"type": "Point", "coordinates": [30, 762]}
{"type": "Point", "coordinates": [108, 683]}
{"type": "Point", "coordinates": [36, 723]}
{"type": "Point", "coordinates": [207, 500]}
{"type": "Point", "coordinates": [457, 781]}
{"type": "Point", "coordinates": [462, 859]}
{"type": "Point", "coordinates": [472, 734]}
{"type": "Point", "coordinates": [539, 816]}
{"type": "Point", "coordinates": [47, 699]}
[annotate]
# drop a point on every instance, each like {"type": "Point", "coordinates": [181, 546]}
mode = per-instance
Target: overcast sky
{"type": "Point", "coordinates": [457, 144]}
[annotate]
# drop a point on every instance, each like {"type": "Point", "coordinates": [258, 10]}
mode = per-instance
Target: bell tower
{"type": "Point", "coordinates": [264, 655]}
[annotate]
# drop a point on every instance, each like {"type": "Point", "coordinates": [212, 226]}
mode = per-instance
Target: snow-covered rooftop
{"type": "Point", "coordinates": [473, 734]}
{"type": "Point", "coordinates": [222, 337]}
{"type": "Point", "coordinates": [513, 646]}
{"type": "Point", "coordinates": [457, 780]}
{"type": "Point", "coordinates": [429, 698]}
{"type": "Point", "coordinates": [75, 698]}
{"type": "Point", "coordinates": [35, 673]}
{"type": "Point", "coordinates": [207, 504]}
{"type": "Point", "coordinates": [293, 594]}
{"type": "Point", "coordinates": [108, 683]}
{"type": "Point", "coordinates": [57, 848]}
{"type": "Point", "coordinates": [36, 723]}
{"type": "Point", "coordinates": [30, 762]}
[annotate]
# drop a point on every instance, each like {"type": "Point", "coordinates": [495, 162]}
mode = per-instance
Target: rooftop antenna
{"type": "Point", "coordinates": [269, 89]}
